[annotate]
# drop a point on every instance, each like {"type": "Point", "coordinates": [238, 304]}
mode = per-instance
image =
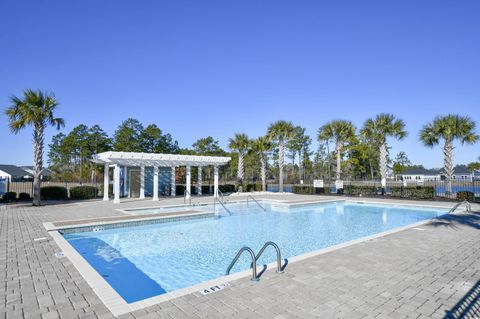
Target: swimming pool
{"type": "Point", "coordinates": [143, 261]}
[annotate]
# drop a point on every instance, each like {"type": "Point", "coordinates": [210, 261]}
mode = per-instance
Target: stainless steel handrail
{"type": "Point", "coordinates": [221, 195]}
{"type": "Point", "coordinates": [254, 262]}
{"type": "Point", "coordinates": [215, 200]}
{"type": "Point", "coordinates": [256, 201]}
{"type": "Point", "coordinates": [185, 197]}
{"type": "Point", "coordinates": [279, 255]}
{"type": "Point", "coordinates": [467, 204]}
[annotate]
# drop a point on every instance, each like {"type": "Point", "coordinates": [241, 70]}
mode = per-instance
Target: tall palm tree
{"type": "Point", "coordinates": [34, 108]}
{"type": "Point", "coordinates": [261, 146]}
{"type": "Point", "coordinates": [449, 128]}
{"type": "Point", "coordinates": [377, 130]}
{"type": "Point", "coordinates": [240, 143]}
{"type": "Point", "coordinates": [280, 131]}
{"type": "Point", "coordinates": [341, 132]}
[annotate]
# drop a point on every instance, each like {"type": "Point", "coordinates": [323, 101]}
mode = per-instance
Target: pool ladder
{"type": "Point", "coordinates": [255, 258]}
{"type": "Point", "coordinates": [189, 197]}
{"type": "Point", "coordinates": [467, 205]}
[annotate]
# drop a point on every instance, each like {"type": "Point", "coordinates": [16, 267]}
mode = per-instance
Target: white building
{"type": "Point", "coordinates": [420, 174]}
{"type": "Point", "coordinates": [144, 174]}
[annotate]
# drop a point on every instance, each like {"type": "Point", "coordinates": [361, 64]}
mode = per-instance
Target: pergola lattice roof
{"type": "Point", "coordinates": [155, 159]}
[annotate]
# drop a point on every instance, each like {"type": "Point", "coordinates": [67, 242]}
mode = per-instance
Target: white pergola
{"type": "Point", "coordinates": [142, 160]}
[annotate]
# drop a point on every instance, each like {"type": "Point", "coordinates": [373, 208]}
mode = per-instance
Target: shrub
{"type": "Point", "coordinates": [227, 188]}
{"type": "Point", "coordinates": [206, 189]}
{"type": "Point", "coordinates": [322, 190]}
{"type": "Point", "coordinates": [252, 187]}
{"type": "Point", "coordinates": [24, 196]}
{"type": "Point", "coordinates": [83, 192]}
{"type": "Point", "coordinates": [54, 192]}
{"type": "Point", "coordinates": [302, 189]}
{"type": "Point", "coordinates": [8, 196]}
{"type": "Point", "coordinates": [179, 190]}
{"type": "Point", "coordinates": [418, 192]}
{"type": "Point", "coordinates": [465, 195]}
{"type": "Point", "coordinates": [356, 190]}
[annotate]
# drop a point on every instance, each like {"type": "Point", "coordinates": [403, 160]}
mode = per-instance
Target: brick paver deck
{"type": "Point", "coordinates": [426, 272]}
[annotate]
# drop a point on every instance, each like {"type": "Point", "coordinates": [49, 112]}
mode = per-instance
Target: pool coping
{"type": "Point", "coordinates": [118, 306]}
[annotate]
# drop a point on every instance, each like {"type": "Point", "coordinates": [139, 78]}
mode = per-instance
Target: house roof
{"type": "Point", "coordinates": [459, 169]}
{"type": "Point", "coordinates": [45, 171]}
{"type": "Point", "coordinates": [420, 171]}
{"type": "Point", "coordinates": [14, 171]}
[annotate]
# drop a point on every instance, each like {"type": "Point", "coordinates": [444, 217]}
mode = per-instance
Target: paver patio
{"type": "Point", "coordinates": [429, 271]}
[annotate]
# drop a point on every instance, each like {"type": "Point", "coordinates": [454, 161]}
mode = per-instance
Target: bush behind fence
{"type": "Point", "coordinates": [460, 190]}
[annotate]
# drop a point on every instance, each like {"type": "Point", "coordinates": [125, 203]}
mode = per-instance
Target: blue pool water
{"type": "Point", "coordinates": [144, 261]}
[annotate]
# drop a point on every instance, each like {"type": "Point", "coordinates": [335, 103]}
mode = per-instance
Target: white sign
{"type": "Point", "coordinates": [339, 184]}
{"type": "Point", "coordinates": [384, 182]}
{"type": "Point", "coordinates": [318, 183]}
{"type": "Point", "coordinates": [216, 288]}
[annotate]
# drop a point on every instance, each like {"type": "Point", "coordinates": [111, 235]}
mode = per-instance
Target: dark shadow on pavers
{"type": "Point", "coordinates": [453, 221]}
{"type": "Point", "coordinates": [468, 306]}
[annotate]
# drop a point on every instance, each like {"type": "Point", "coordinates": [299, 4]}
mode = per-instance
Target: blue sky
{"type": "Point", "coordinates": [199, 68]}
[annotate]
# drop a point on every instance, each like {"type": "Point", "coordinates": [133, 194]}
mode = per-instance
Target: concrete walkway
{"type": "Point", "coordinates": [429, 272]}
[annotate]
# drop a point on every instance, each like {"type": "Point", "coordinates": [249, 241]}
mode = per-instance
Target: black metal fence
{"type": "Point", "coordinates": [431, 189]}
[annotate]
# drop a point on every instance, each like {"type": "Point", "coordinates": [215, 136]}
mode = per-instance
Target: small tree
{"type": "Point", "coordinates": [449, 128]}
{"type": "Point", "coordinates": [262, 146]}
{"type": "Point", "coordinates": [280, 131]}
{"type": "Point", "coordinates": [341, 132]}
{"type": "Point", "coordinates": [240, 143]}
{"type": "Point", "coordinates": [377, 130]}
{"type": "Point", "coordinates": [34, 108]}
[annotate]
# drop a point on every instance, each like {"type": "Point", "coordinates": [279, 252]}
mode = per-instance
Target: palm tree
{"type": "Point", "coordinates": [280, 131]}
{"type": "Point", "coordinates": [35, 108]}
{"type": "Point", "coordinates": [378, 130]}
{"type": "Point", "coordinates": [449, 128]}
{"type": "Point", "coordinates": [261, 146]}
{"type": "Point", "coordinates": [341, 132]}
{"type": "Point", "coordinates": [240, 143]}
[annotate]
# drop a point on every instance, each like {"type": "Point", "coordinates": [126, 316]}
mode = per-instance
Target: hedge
{"type": "Point", "coordinates": [252, 187]}
{"type": "Point", "coordinates": [83, 192]}
{"type": "Point", "coordinates": [228, 188]}
{"type": "Point", "coordinates": [206, 189]}
{"type": "Point", "coordinates": [180, 190]}
{"type": "Point", "coordinates": [310, 190]}
{"type": "Point", "coordinates": [54, 192]}
{"type": "Point", "coordinates": [361, 190]}
{"type": "Point", "coordinates": [8, 196]}
{"type": "Point", "coordinates": [24, 196]}
{"type": "Point", "coordinates": [419, 192]}
{"type": "Point", "coordinates": [465, 195]}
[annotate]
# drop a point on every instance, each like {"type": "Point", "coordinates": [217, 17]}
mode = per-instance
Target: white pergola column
{"type": "Point", "coordinates": [199, 186]}
{"type": "Point", "coordinates": [172, 182]}
{"type": "Point", "coordinates": [142, 182]}
{"type": "Point", "coordinates": [188, 178]}
{"type": "Point", "coordinates": [215, 181]}
{"type": "Point", "coordinates": [116, 184]}
{"type": "Point", "coordinates": [124, 190]}
{"type": "Point", "coordinates": [106, 182]}
{"type": "Point", "coordinates": [155, 183]}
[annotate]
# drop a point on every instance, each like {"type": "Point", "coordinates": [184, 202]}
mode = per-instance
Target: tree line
{"type": "Point", "coordinates": [357, 152]}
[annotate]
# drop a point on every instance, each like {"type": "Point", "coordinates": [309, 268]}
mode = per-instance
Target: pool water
{"type": "Point", "coordinates": [144, 261]}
